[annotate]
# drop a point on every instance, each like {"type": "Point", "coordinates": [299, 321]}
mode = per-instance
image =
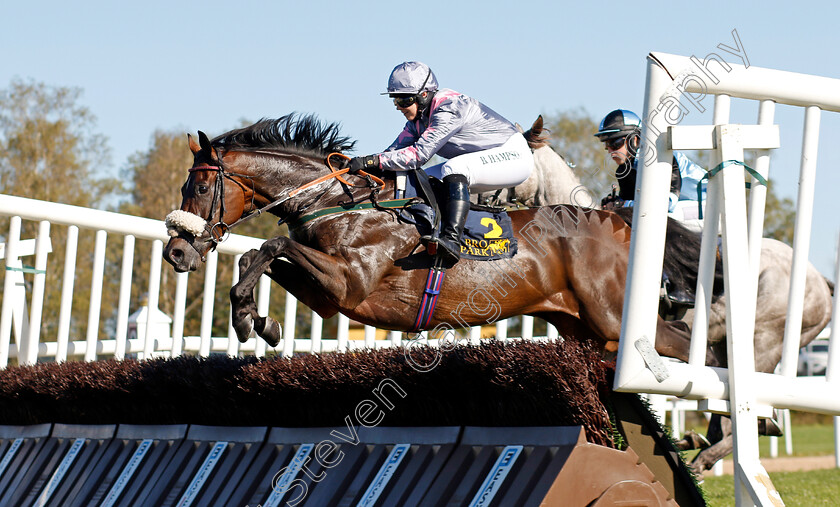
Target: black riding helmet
{"type": "Point", "coordinates": [619, 123]}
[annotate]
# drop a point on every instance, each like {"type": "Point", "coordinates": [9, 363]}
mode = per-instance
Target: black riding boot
{"type": "Point", "coordinates": [454, 218]}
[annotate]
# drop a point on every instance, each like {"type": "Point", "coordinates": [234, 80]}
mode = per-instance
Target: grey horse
{"type": "Point", "coordinates": [554, 182]}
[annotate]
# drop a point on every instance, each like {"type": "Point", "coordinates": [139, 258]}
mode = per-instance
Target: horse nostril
{"type": "Point", "coordinates": [176, 254]}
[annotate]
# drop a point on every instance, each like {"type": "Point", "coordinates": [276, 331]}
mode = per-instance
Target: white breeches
{"type": "Point", "coordinates": [504, 166]}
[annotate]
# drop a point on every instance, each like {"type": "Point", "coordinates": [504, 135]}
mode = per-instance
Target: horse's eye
{"type": "Point", "coordinates": [202, 189]}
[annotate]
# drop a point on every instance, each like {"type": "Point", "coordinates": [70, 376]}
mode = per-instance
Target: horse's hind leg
{"type": "Point", "coordinates": [707, 458]}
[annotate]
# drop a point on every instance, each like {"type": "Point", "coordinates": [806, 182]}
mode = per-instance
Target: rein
{"type": "Point", "coordinates": [220, 231]}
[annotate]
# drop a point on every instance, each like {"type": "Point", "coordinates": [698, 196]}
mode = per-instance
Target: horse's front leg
{"type": "Point", "coordinates": [244, 313]}
{"type": "Point", "coordinates": [318, 279]}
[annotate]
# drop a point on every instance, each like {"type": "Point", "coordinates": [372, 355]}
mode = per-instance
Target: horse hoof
{"type": "Point", "coordinates": [269, 330]}
{"type": "Point", "coordinates": [695, 440]}
{"type": "Point", "coordinates": [243, 328]}
{"type": "Point", "coordinates": [769, 428]}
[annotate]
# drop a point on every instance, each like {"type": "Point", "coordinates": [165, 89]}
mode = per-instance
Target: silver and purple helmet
{"type": "Point", "coordinates": [411, 78]}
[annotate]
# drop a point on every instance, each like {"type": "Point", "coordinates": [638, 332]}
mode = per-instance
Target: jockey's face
{"type": "Point", "coordinates": [617, 149]}
{"type": "Point", "coordinates": [410, 112]}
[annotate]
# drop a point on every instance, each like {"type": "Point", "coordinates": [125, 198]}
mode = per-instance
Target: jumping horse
{"type": "Point", "coordinates": [570, 267]}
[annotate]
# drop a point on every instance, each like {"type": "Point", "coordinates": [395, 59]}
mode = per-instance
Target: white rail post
{"type": "Point", "coordinates": [181, 280]}
{"type": "Point", "coordinates": [42, 245]}
{"type": "Point", "coordinates": [263, 299]}
{"type": "Point", "coordinates": [644, 270]}
{"type": "Point", "coordinates": [502, 329]}
{"type": "Point", "coordinates": [149, 339]}
{"type": "Point", "coordinates": [95, 295]}
{"type": "Point", "coordinates": [343, 338]}
{"type": "Point", "coordinates": [13, 295]}
{"type": "Point", "coordinates": [752, 484]}
{"type": "Point", "coordinates": [758, 193]}
{"type": "Point", "coordinates": [370, 337]}
{"type": "Point", "coordinates": [126, 272]}
{"type": "Point", "coordinates": [289, 325]}
{"type": "Point", "coordinates": [233, 341]}
{"type": "Point", "coordinates": [317, 331]}
{"type": "Point", "coordinates": [801, 240]}
{"type": "Point", "coordinates": [208, 303]}
{"type": "Point", "coordinates": [67, 285]}
{"type": "Point", "coordinates": [708, 249]}
{"type": "Point", "coordinates": [396, 338]}
{"type": "Point", "coordinates": [475, 335]}
{"type": "Point", "coordinates": [527, 327]}
{"type": "Point", "coordinates": [832, 370]}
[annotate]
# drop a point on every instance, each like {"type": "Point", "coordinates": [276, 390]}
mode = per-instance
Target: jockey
{"type": "Point", "coordinates": [484, 150]}
{"type": "Point", "coordinates": [620, 131]}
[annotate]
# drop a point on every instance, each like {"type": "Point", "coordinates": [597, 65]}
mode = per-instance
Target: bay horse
{"type": "Point", "coordinates": [570, 267]}
{"type": "Point", "coordinates": [772, 298]}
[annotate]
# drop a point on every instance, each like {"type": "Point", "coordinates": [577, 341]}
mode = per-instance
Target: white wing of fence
{"type": "Point", "coordinates": [146, 332]}
{"type": "Point", "coordinates": [739, 391]}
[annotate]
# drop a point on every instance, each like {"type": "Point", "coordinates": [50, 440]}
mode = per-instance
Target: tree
{"type": "Point", "coordinates": [572, 136]}
{"type": "Point", "coordinates": [779, 216]}
{"type": "Point", "coordinates": [49, 150]}
{"type": "Point", "coordinates": [156, 175]}
{"type": "Point", "coordinates": [48, 147]}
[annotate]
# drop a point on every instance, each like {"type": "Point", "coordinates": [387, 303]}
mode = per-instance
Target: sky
{"type": "Point", "coordinates": [188, 66]}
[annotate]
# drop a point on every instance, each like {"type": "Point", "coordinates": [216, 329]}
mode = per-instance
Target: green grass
{"type": "Point", "coordinates": [808, 440]}
{"type": "Point", "coordinates": [812, 436]}
{"type": "Point", "coordinates": [811, 439]}
{"type": "Point", "coordinates": [806, 489]}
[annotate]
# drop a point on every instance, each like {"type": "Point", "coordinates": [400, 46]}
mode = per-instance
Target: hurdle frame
{"type": "Point", "coordinates": [738, 391]}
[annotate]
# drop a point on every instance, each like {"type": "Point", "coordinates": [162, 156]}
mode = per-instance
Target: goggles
{"type": "Point", "coordinates": [405, 101]}
{"type": "Point", "coordinates": [616, 143]}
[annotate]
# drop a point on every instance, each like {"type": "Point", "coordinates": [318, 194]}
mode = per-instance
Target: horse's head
{"type": "Point", "coordinates": [212, 199]}
{"type": "Point", "coordinates": [273, 165]}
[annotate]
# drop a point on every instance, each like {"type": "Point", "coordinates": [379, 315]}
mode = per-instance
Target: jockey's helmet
{"type": "Point", "coordinates": [619, 123]}
{"type": "Point", "coordinates": [412, 78]}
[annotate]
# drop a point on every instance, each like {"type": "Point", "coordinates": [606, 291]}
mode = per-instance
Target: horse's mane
{"type": "Point", "coordinates": [301, 134]}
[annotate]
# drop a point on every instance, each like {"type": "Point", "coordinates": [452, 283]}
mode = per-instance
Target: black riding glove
{"type": "Point", "coordinates": [367, 163]}
{"type": "Point", "coordinates": [612, 202]}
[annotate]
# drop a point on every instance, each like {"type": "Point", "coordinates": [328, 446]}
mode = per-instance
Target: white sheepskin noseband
{"type": "Point", "coordinates": [180, 220]}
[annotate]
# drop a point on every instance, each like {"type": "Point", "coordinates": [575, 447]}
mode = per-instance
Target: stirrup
{"type": "Point", "coordinates": [430, 242]}
{"type": "Point", "coordinates": [444, 251]}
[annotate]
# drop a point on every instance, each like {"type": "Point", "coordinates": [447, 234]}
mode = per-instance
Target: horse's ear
{"type": "Point", "coordinates": [538, 124]}
{"type": "Point", "coordinates": [194, 147]}
{"type": "Point", "coordinates": [534, 135]}
{"type": "Point", "coordinates": [203, 140]}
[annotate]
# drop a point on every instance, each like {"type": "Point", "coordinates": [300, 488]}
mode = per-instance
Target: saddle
{"type": "Point", "coordinates": [488, 232]}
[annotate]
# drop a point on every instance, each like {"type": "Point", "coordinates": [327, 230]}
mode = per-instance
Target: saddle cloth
{"type": "Point", "coordinates": [488, 233]}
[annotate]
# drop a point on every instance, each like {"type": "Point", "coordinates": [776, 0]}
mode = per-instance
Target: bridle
{"type": "Point", "coordinates": [220, 231]}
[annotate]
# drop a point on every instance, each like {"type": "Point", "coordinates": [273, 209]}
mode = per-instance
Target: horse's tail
{"type": "Point", "coordinates": [682, 256]}
{"type": "Point", "coordinates": [535, 135]}
{"type": "Point", "coordinates": [830, 286]}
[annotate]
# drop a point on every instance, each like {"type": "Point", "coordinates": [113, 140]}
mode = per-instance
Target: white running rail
{"type": "Point", "coordinates": [166, 335]}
